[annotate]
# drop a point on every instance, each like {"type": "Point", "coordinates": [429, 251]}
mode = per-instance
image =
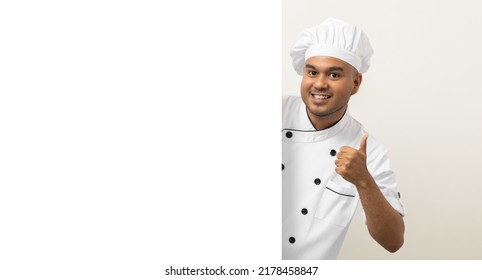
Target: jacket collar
{"type": "Point", "coordinates": [304, 130]}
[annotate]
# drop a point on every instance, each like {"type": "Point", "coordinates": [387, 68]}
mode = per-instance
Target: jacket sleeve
{"type": "Point", "coordinates": [379, 166]}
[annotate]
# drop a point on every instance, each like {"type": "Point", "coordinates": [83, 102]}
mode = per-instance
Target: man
{"type": "Point", "coordinates": [329, 161]}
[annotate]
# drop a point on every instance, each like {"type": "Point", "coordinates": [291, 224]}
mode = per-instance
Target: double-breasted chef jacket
{"type": "Point", "coordinates": [318, 204]}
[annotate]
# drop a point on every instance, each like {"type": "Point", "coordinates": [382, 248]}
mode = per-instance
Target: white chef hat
{"type": "Point", "coordinates": [333, 38]}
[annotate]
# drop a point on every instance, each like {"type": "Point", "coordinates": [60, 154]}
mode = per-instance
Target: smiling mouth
{"type": "Point", "coordinates": [320, 96]}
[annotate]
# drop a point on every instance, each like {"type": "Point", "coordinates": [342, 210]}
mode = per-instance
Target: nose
{"type": "Point", "coordinates": [320, 82]}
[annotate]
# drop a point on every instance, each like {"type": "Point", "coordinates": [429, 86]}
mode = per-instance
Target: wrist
{"type": "Point", "coordinates": [365, 183]}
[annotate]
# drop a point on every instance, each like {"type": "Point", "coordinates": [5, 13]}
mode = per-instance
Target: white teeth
{"type": "Point", "coordinates": [320, 96]}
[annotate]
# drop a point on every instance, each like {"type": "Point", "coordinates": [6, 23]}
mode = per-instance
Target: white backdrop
{"type": "Point", "coordinates": [421, 98]}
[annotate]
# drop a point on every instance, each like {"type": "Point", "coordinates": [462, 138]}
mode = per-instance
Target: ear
{"type": "Point", "coordinates": [356, 82]}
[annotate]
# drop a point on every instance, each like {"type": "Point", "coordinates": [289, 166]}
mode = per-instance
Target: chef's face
{"type": "Point", "coordinates": [326, 87]}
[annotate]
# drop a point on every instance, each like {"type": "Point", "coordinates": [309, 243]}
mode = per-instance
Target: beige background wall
{"type": "Point", "coordinates": [421, 98]}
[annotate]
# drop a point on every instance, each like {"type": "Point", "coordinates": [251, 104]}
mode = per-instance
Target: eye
{"type": "Point", "coordinates": [334, 75]}
{"type": "Point", "coordinates": [312, 73]}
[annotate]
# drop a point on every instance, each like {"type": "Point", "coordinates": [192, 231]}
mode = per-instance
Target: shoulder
{"type": "Point", "coordinates": [290, 110]}
{"type": "Point", "coordinates": [377, 154]}
{"type": "Point", "coordinates": [290, 101]}
{"type": "Point", "coordinates": [355, 130]}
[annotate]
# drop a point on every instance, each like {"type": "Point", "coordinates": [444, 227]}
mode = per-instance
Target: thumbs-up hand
{"type": "Point", "coordinates": [351, 163]}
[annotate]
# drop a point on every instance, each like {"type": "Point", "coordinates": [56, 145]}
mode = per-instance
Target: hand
{"type": "Point", "coordinates": [351, 163]}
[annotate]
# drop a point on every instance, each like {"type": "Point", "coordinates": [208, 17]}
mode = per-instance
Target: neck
{"type": "Point", "coordinates": [326, 121]}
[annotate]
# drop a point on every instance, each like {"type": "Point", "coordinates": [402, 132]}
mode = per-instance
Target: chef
{"type": "Point", "coordinates": [330, 162]}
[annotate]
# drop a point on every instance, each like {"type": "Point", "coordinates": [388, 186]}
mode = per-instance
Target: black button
{"type": "Point", "coordinates": [304, 211]}
{"type": "Point", "coordinates": [289, 134]}
{"type": "Point", "coordinates": [292, 240]}
{"type": "Point", "coordinates": [399, 195]}
{"type": "Point", "coordinates": [317, 181]}
{"type": "Point", "coordinates": [333, 153]}
{"type": "Point", "coordinates": [282, 167]}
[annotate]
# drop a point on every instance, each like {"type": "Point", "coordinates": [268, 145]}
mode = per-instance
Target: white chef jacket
{"type": "Point", "coordinates": [318, 204]}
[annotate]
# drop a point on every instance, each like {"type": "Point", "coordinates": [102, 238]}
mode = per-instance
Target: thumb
{"type": "Point", "coordinates": [363, 144]}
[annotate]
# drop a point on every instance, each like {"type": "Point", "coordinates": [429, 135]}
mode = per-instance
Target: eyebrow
{"type": "Point", "coordinates": [333, 68]}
